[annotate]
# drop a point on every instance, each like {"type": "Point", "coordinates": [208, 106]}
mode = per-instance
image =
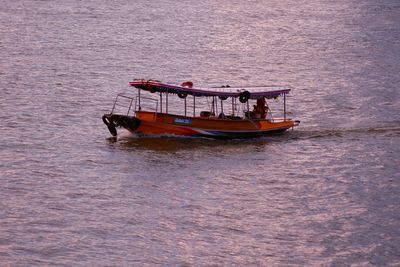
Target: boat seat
{"type": "Point", "coordinates": [206, 114]}
{"type": "Point", "coordinates": [233, 117]}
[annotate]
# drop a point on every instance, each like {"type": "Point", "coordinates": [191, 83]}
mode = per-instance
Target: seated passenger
{"type": "Point", "coordinates": [261, 109]}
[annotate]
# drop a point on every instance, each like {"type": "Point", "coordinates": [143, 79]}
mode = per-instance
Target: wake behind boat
{"type": "Point", "coordinates": [225, 112]}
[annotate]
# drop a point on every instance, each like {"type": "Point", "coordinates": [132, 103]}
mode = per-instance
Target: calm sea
{"type": "Point", "coordinates": [325, 194]}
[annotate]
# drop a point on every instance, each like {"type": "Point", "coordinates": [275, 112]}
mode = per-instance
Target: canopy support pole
{"type": "Point", "coordinates": [166, 102]}
{"type": "Point", "coordinates": [185, 106]}
{"type": "Point", "coordinates": [160, 102]}
{"type": "Point", "coordinates": [284, 107]}
{"type": "Point", "coordinates": [216, 106]}
{"type": "Point", "coordinates": [140, 108]}
{"type": "Point", "coordinates": [194, 106]}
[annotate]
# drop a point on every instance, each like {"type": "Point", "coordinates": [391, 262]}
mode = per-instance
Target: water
{"type": "Point", "coordinates": [327, 193]}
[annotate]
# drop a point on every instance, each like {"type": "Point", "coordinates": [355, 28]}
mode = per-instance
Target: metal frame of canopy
{"type": "Point", "coordinates": [244, 93]}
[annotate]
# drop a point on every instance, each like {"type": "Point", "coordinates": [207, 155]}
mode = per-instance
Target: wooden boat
{"type": "Point", "coordinates": [225, 114]}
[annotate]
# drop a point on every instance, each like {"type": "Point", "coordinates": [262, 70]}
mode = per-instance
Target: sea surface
{"type": "Point", "coordinates": [325, 194]}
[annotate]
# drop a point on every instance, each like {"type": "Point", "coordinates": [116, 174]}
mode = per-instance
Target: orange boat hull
{"type": "Point", "coordinates": [151, 123]}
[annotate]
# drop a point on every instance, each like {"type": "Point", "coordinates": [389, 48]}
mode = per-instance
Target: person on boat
{"type": "Point", "coordinates": [260, 110]}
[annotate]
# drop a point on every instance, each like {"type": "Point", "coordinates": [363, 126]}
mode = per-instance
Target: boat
{"type": "Point", "coordinates": [224, 112]}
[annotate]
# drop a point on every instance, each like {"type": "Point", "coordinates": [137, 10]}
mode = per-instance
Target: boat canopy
{"type": "Point", "coordinates": [253, 92]}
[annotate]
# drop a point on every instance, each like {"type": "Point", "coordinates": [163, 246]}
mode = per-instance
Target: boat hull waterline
{"type": "Point", "coordinates": [150, 123]}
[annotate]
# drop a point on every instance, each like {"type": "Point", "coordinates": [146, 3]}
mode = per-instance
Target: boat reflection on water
{"type": "Point", "coordinates": [172, 143]}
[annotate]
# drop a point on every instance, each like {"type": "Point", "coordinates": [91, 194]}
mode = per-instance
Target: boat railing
{"type": "Point", "coordinates": [122, 103]}
{"type": "Point", "coordinates": [146, 103]}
